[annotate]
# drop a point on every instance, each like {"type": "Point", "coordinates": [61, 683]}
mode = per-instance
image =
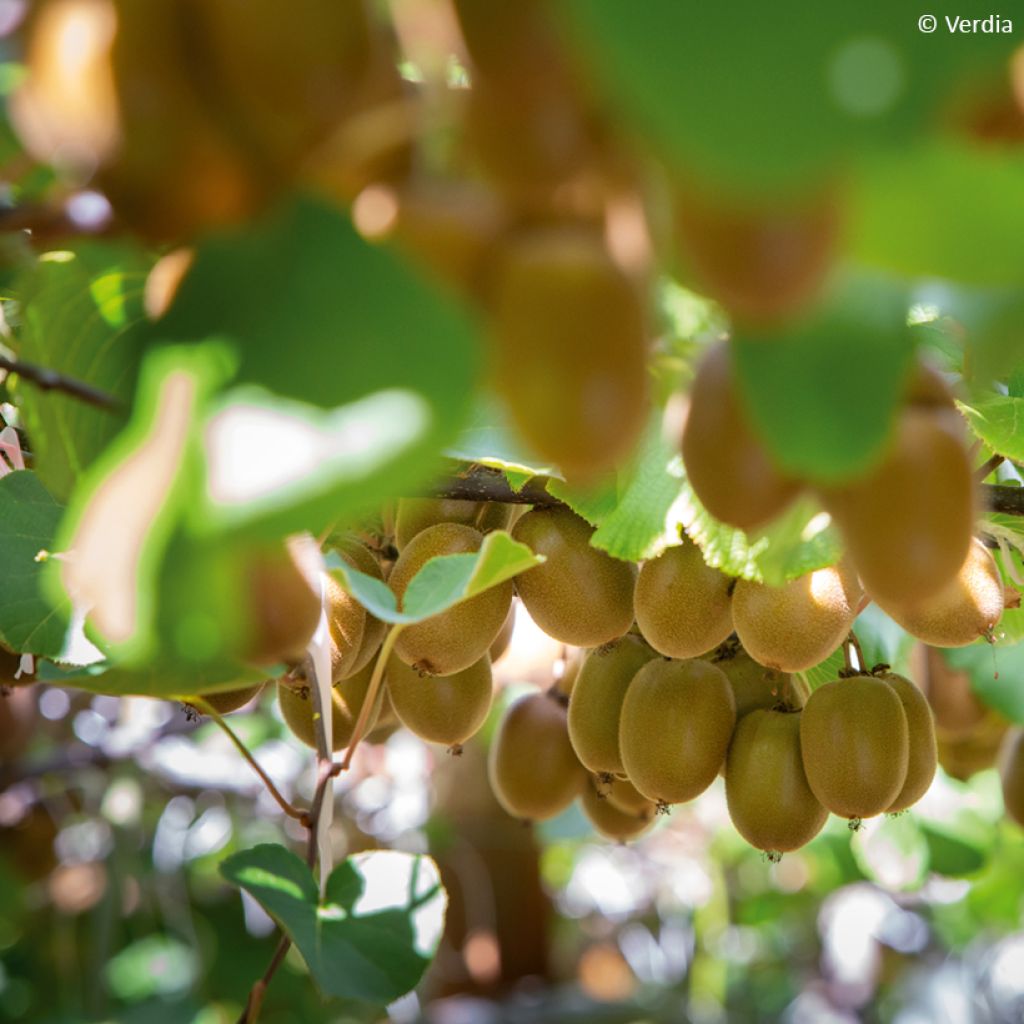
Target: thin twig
{"type": "Point", "coordinates": [208, 709]}
{"type": "Point", "coordinates": [988, 467]}
{"type": "Point", "coordinates": [480, 483]}
{"type": "Point", "coordinates": [50, 380]}
{"type": "Point", "coordinates": [370, 700]}
{"type": "Point", "coordinates": [254, 1003]}
{"type": "Point", "coordinates": [1004, 498]}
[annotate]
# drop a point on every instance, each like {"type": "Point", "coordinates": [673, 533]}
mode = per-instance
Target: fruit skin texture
{"type": "Point", "coordinates": [855, 747]}
{"type": "Point", "coordinates": [570, 348]}
{"type": "Point", "coordinates": [968, 607]}
{"type": "Point", "coordinates": [359, 556]}
{"type": "Point", "coordinates": [612, 821]}
{"type": "Point", "coordinates": [441, 709]}
{"type": "Point", "coordinates": [1011, 774]}
{"type": "Point", "coordinates": [533, 770]}
{"type": "Point", "coordinates": [755, 686]}
{"type": "Point", "coordinates": [730, 470]}
{"type": "Point", "coordinates": [676, 723]}
{"type": "Point", "coordinates": [416, 514]}
{"type": "Point", "coordinates": [621, 793]}
{"type": "Point", "coordinates": [298, 703]}
{"type": "Point", "coordinates": [770, 801]}
{"type": "Point", "coordinates": [452, 641]}
{"type": "Point", "coordinates": [908, 523]}
{"type": "Point", "coordinates": [230, 700]}
{"type": "Point", "coordinates": [922, 752]}
{"type": "Point", "coordinates": [504, 637]}
{"type": "Point", "coordinates": [956, 711]}
{"type": "Point", "coordinates": [797, 625]}
{"type": "Point", "coordinates": [596, 702]}
{"type": "Point", "coordinates": [356, 635]}
{"type": "Point", "coordinates": [580, 595]}
{"type": "Point", "coordinates": [682, 605]}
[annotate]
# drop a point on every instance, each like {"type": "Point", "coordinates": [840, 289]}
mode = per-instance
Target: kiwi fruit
{"type": "Point", "coordinates": [908, 523]}
{"type": "Point", "coordinates": [414, 515]}
{"type": "Point", "coordinates": [532, 768]}
{"type": "Point", "coordinates": [676, 722]}
{"type": "Point", "coordinates": [282, 587]}
{"type": "Point", "coordinates": [1011, 774]}
{"type": "Point", "coordinates": [766, 789]}
{"type": "Point", "coordinates": [756, 686]}
{"type": "Point", "coordinates": [453, 640]}
{"type": "Point", "coordinates": [956, 710]}
{"type": "Point", "coordinates": [622, 794]}
{"type": "Point", "coordinates": [609, 819]}
{"type": "Point", "coordinates": [682, 605]}
{"type": "Point", "coordinates": [579, 595]}
{"type": "Point", "coordinates": [729, 469]}
{"type": "Point", "coordinates": [298, 705]}
{"type": "Point", "coordinates": [794, 627]}
{"type": "Point", "coordinates": [356, 635]}
{"type": "Point", "coordinates": [570, 348]}
{"type": "Point", "coordinates": [227, 701]}
{"type": "Point", "coordinates": [855, 746]}
{"type": "Point", "coordinates": [965, 755]}
{"type": "Point", "coordinates": [441, 709]}
{"type": "Point", "coordinates": [571, 665]}
{"type": "Point", "coordinates": [968, 608]}
{"type": "Point", "coordinates": [504, 637]}
{"type": "Point", "coordinates": [922, 752]}
{"type": "Point", "coordinates": [596, 702]}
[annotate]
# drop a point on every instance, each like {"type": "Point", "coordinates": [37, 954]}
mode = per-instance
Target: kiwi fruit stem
{"type": "Point", "coordinates": [371, 694]}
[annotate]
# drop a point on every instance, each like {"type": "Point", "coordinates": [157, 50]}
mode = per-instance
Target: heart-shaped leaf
{"type": "Point", "coordinates": [374, 932]}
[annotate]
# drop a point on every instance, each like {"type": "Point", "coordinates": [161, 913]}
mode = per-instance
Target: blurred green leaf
{"type": "Point", "coordinates": [999, 421]}
{"type": "Point", "coordinates": [372, 934]}
{"type": "Point", "coordinates": [29, 518]}
{"type": "Point", "coordinates": [81, 315]}
{"type": "Point", "coordinates": [883, 641]}
{"type": "Point", "coordinates": [155, 965]}
{"type": "Point", "coordinates": [995, 675]}
{"type": "Point", "coordinates": [952, 854]}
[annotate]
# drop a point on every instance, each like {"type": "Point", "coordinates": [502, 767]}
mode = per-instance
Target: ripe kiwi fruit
{"type": "Point", "coordinates": [356, 635]}
{"type": "Point", "coordinates": [956, 710]}
{"type": "Point", "coordinates": [794, 627]}
{"type": "Point", "coordinates": [580, 595]}
{"type": "Point", "coordinates": [908, 523]}
{"type": "Point", "coordinates": [965, 755]}
{"type": "Point", "coordinates": [1011, 774]}
{"type": "Point", "coordinates": [682, 605]}
{"type": "Point", "coordinates": [441, 709]}
{"type": "Point", "coordinates": [298, 704]}
{"type": "Point", "coordinates": [596, 702]}
{"type": "Point", "coordinates": [676, 722]}
{"type": "Point", "coordinates": [609, 819]}
{"type": "Point", "coordinates": [532, 768]}
{"type": "Point", "coordinates": [855, 746]}
{"type": "Point", "coordinates": [414, 515]}
{"type": "Point", "coordinates": [453, 640]}
{"type": "Point", "coordinates": [621, 793]}
{"type": "Point", "coordinates": [504, 637]}
{"type": "Point", "coordinates": [770, 801]}
{"type": "Point", "coordinates": [227, 701]}
{"type": "Point", "coordinates": [922, 753]}
{"type": "Point", "coordinates": [969, 607]}
{"type": "Point", "coordinates": [729, 469]}
{"type": "Point", "coordinates": [753, 684]}
{"type": "Point", "coordinates": [570, 348]}
{"type": "Point", "coordinates": [282, 587]}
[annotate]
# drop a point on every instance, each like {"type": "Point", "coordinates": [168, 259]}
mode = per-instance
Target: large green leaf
{"type": "Point", "coordinates": [81, 315]}
{"type": "Point", "coordinates": [822, 393]}
{"type": "Point", "coordinates": [999, 421]}
{"type": "Point", "coordinates": [372, 934]}
{"type": "Point", "coordinates": [319, 316]}
{"type": "Point", "coordinates": [29, 517]}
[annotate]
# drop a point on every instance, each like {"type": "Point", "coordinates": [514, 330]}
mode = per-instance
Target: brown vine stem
{"type": "Point", "coordinates": [988, 467]}
{"type": "Point", "coordinates": [208, 709]}
{"type": "Point", "coordinates": [49, 380]}
{"type": "Point", "coordinates": [369, 701]}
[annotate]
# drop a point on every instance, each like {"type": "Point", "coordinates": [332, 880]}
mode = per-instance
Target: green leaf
{"type": "Point", "coordinates": [81, 315]}
{"type": "Point", "coordinates": [822, 394]}
{"type": "Point", "coordinates": [944, 211]}
{"type": "Point", "coordinates": [488, 439]}
{"type": "Point", "coordinates": [883, 641]}
{"type": "Point", "coordinates": [995, 675]}
{"type": "Point", "coordinates": [29, 517]}
{"type": "Point", "coordinates": [372, 934]}
{"type": "Point", "coordinates": [442, 582]}
{"type": "Point", "coordinates": [951, 854]}
{"type": "Point", "coordinates": [164, 682]}
{"type": "Point", "coordinates": [826, 671]}
{"type": "Point", "coordinates": [999, 421]}
{"type": "Point", "coordinates": [320, 317]}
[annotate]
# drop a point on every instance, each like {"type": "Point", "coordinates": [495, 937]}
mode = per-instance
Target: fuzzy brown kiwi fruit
{"type": "Point", "coordinates": [570, 348]}
{"type": "Point", "coordinates": [533, 770]}
{"type": "Point", "coordinates": [908, 523]}
{"type": "Point", "coordinates": [580, 595]}
{"type": "Point", "coordinates": [922, 752]}
{"type": "Point", "coordinates": [298, 705]}
{"type": "Point", "coordinates": [674, 731]}
{"type": "Point", "coordinates": [573, 662]}
{"type": "Point", "coordinates": [414, 515]}
{"type": "Point", "coordinates": [731, 472]}
{"type": "Point", "coordinates": [227, 701]}
{"type": "Point", "coordinates": [794, 627]}
{"type": "Point", "coordinates": [453, 640]}
{"type": "Point", "coordinates": [855, 746]}
{"type": "Point", "coordinates": [965, 755]}
{"type": "Point", "coordinates": [356, 635]}
{"type": "Point", "coordinates": [682, 605]}
{"type": "Point", "coordinates": [504, 637]}
{"type": "Point", "coordinates": [956, 710]}
{"type": "Point", "coordinates": [756, 686]}
{"type": "Point", "coordinates": [1011, 774]}
{"type": "Point", "coordinates": [596, 702]}
{"type": "Point", "coordinates": [770, 801]}
{"type": "Point", "coordinates": [621, 793]}
{"type": "Point", "coordinates": [966, 609]}
{"type": "Point", "coordinates": [609, 819]}
{"type": "Point", "coordinates": [441, 709]}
